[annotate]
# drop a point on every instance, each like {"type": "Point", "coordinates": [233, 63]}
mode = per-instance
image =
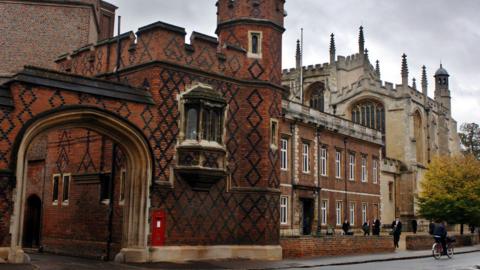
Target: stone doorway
{"type": "Point", "coordinates": [138, 160]}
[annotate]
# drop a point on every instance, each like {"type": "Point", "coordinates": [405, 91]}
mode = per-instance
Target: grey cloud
{"type": "Point", "coordinates": [429, 31]}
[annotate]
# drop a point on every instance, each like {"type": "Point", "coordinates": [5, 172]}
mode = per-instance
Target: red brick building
{"type": "Point", "coordinates": [198, 126]}
{"type": "Point", "coordinates": [145, 147]}
{"type": "Point", "coordinates": [330, 172]}
{"type": "Point", "coordinates": [37, 32]}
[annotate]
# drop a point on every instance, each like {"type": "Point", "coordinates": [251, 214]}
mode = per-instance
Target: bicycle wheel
{"type": "Point", "coordinates": [437, 251]}
{"type": "Point", "coordinates": [450, 251]}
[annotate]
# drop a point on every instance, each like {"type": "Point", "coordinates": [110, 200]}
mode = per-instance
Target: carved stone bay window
{"type": "Point", "coordinates": [201, 151]}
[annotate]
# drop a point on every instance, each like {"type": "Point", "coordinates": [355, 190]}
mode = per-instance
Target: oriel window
{"type": "Point", "coordinates": [204, 110]}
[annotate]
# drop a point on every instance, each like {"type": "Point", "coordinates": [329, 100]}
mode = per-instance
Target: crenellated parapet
{"type": "Point", "coordinates": [308, 71]}
{"type": "Point", "coordinates": [157, 42]}
{"type": "Point", "coordinates": [351, 61]}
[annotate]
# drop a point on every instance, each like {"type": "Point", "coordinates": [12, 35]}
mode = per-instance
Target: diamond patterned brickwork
{"type": "Point", "coordinates": [197, 218]}
{"type": "Point", "coordinates": [242, 209]}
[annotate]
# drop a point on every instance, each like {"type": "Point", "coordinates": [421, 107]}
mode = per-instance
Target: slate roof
{"type": "Point", "coordinates": [75, 83]}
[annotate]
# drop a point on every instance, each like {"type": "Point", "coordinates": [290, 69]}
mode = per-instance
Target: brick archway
{"type": "Point", "coordinates": [139, 176]}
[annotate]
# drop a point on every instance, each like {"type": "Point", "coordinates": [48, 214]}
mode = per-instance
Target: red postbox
{"type": "Point", "coordinates": [158, 228]}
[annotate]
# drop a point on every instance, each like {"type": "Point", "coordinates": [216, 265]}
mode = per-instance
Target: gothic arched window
{"type": "Point", "coordinates": [317, 98]}
{"type": "Point", "coordinates": [370, 114]}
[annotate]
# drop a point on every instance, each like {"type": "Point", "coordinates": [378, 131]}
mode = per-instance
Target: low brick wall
{"type": "Point", "coordinates": [298, 247]}
{"type": "Point", "coordinates": [425, 242]}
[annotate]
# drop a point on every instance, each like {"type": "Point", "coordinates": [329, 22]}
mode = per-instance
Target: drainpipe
{"type": "Point", "coordinates": [395, 194]}
{"type": "Point", "coordinates": [427, 111]}
{"type": "Point", "coordinates": [292, 171]}
{"type": "Point", "coordinates": [319, 189]}
{"type": "Point", "coordinates": [119, 50]}
{"type": "Point", "coordinates": [345, 177]}
{"type": "Point", "coordinates": [111, 200]}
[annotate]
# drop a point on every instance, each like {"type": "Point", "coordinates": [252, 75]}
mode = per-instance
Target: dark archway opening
{"type": "Point", "coordinates": [32, 223]}
{"type": "Point", "coordinates": [307, 216]}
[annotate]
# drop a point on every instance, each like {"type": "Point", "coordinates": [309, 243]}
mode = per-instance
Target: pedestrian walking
{"type": "Point", "coordinates": [366, 228]}
{"type": "Point", "coordinates": [397, 231]}
{"type": "Point", "coordinates": [472, 228]}
{"type": "Point", "coordinates": [376, 226]}
{"type": "Point", "coordinates": [414, 226]}
{"type": "Point", "coordinates": [346, 227]}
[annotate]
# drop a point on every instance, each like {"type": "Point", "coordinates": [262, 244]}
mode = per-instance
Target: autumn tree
{"type": "Point", "coordinates": [470, 139]}
{"type": "Point", "coordinates": [451, 190]}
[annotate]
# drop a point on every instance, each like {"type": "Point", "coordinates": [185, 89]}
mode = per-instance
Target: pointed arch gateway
{"type": "Point", "coordinates": [138, 179]}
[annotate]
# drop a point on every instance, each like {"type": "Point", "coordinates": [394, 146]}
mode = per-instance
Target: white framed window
{"type": "Point", "coordinates": [274, 134]}
{"type": "Point", "coordinates": [364, 169]}
{"type": "Point", "coordinates": [255, 44]}
{"type": "Point", "coordinates": [306, 158]}
{"type": "Point", "coordinates": [55, 188]}
{"type": "Point", "coordinates": [375, 171]}
{"type": "Point", "coordinates": [283, 210]}
{"type": "Point", "coordinates": [123, 176]}
{"type": "Point", "coordinates": [324, 212]}
{"type": "Point", "coordinates": [364, 212]}
{"type": "Point", "coordinates": [323, 162]}
{"type": "Point", "coordinates": [338, 212]}
{"type": "Point", "coordinates": [338, 164]}
{"type": "Point", "coordinates": [352, 213]}
{"type": "Point", "coordinates": [284, 154]}
{"type": "Point", "coordinates": [351, 167]}
{"type": "Point", "coordinates": [66, 179]}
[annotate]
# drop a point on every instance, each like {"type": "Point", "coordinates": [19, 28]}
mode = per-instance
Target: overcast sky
{"type": "Point", "coordinates": [428, 31]}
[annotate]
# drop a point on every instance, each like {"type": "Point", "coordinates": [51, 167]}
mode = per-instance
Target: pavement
{"type": "Point", "coordinates": [55, 262]}
{"type": "Point", "coordinates": [340, 260]}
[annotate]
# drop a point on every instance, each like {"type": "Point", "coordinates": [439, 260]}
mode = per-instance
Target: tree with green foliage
{"type": "Point", "coordinates": [451, 190]}
{"type": "Point", "coordinates": [470, 139]}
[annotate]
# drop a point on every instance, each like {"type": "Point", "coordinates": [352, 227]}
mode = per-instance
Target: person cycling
{"type": "Point", "coordinates": [440, 235]}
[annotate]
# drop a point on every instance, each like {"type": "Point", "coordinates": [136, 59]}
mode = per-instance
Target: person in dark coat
{"type": "Point", "coordinates": [472, 228]}
{"type": "Point", "coordinates": [346, 227]}
{"type": "Point", "coordinates": [440, 235]}
{"type": "Point", "coordinates": [414, 226]}
{"type": "Point", "coordinates": [397, 231]}
{"type": "Point", "coordinates": [366, 229]}
{"type": "Point", "coordinates": [376, 226]}
{"type": "Point", "coordinates": [431, 227]}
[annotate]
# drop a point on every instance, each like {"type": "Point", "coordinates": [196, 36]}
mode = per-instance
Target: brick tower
{"type": "Point", "coordinates": [257, 27]}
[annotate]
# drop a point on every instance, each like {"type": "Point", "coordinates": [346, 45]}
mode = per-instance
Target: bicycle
{"type": "Point", "coordinates": [437, 249]}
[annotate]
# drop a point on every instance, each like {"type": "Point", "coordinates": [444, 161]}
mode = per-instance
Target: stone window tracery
{"type": "Point", "coordinates": [317, 97]}
{"type": "Point", "coordinates": [370, 114]}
